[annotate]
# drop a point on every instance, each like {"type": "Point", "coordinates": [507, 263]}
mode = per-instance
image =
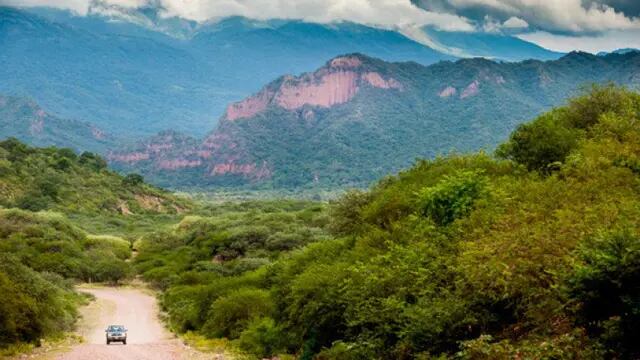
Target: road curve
{"type": "Point", "coordinates": [138, 311]}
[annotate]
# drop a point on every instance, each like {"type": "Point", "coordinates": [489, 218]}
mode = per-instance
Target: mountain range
{"type": "Point", "coordinates": [358, 118]}
{"type": "Point", "coordinates": [134, 73]}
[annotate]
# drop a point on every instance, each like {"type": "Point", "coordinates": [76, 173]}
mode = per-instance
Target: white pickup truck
{"type": "Point", "coordinates": [116, 333]}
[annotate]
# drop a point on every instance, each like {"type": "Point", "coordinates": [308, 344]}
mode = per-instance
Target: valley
{"type": "Point", "coordinates": [387, 180]}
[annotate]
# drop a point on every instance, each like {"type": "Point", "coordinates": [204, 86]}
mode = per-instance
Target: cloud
{"type": "Point", "coordinates": [515, 22]}
{"type": "Point", "coordinates": [492, 25]}
{"type": "Point", "coordinates": [606, 41]}
{"type": "Point", "coordinates": [629, 7]}
{"type": "Point", "coordinates": [384, 13]}
{"type": "Point", "coordinates": [555, 16]}
{"type": "Point", "coordinates": [78, 6]}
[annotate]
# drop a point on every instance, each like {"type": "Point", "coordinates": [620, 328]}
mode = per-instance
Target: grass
{"type": "Point", "coordinates": [49, 347]}
{"type": "Point", "coordinates": [222, 347]}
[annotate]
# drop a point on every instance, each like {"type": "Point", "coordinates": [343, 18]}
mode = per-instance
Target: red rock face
{"type": "Point", "coordinates": [346, 62]}
{"type": "Point", "coordinates": [250, 106]}
{"type": "Point", "coordinates": [178, 164]}
{"type": "Point", "coordinates": [97, 133]}
{"type": "Point", "coordinates": [327, 90]}
{"type": "Point", "coordinates": [225, 152]}
{"type": "Point", "coordinates": [471, 90]}
{"type": "Point", "coordinates": [248, 170]}
{"type": "Point", "coordinates": [37, 126]}
{"type": "Point", "coordinates": [448, 92]}
{"type": "Point", "coordinates": [128, 158]}
{"type": "Point", "coordinates": [334, 84]}
{"type": "Point", "coordinates": [376, 80]}
{"type": "Point", "coordinates": [157, 148]}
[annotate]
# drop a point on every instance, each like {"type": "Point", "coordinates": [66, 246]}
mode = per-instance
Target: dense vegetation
{"type": "Point", "coordinates": [41, 255]}
{"type": "Point", "coordinates": [231, 240]}
{"type": "Point", "coordinates": [52, 201]}
{"type": "Point", "coordinates": [60, 179]}
{"type": "Point", "coordinates": [534, 254]}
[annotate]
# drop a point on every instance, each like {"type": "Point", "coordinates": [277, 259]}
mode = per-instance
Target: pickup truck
{"type": "Point", "coordinates": [116, 333]}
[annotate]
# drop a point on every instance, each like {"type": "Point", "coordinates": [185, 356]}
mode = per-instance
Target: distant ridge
{"type": "Point", "coordinates": [619, 51]}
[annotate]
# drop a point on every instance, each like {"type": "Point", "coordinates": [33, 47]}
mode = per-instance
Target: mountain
{"type": "Point", "coordinates": [357, 119]}
{"type": "Point", "coordinates": [619, 52]}
{"type": "Point", "coordinates": [132, 76]}
{"type": "Point", "coordinates": [23, 119]}
{"type": "Point", "coordinates": [489, 45]}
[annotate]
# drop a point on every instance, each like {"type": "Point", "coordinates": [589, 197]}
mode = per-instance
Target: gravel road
{"type": "Point", "coordinates": [138, 312]}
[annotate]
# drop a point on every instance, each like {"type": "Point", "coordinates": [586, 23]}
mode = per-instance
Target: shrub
{"type": "Point", "coordinates": [231, 314]}
{"type": "Point", "coordinates": [452, 198]}
{"type": "Point", "coordinates": [133, 179]}
{"type": "Point", "coordinates": [94, 161]}
{"type": "Point", "coordinates": [262, 338]}
{"type": "Point", "coordinates": [31, 305]}
{"type": "Point", "coordinates": [109, 269]}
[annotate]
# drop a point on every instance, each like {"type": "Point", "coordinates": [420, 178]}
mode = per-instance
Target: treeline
{"type": "Point", "coordinates": [533, 253]}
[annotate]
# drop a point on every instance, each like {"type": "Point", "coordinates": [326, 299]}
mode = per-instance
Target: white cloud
{"type": "Point", "coordinates": [555, 15]}
{"type": "Point", "coordinates": [607, 41]}
{"type": "Point", "coordinates": [78, 6]}
{"type": "Point", "coordinates": [515, 22]}
{"type": "Point", "coordinates": [492, 25]}
{"type": "Point", "coordinates": [385, 13]}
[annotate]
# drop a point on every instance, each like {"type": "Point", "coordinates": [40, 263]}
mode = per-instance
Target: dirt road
{"type": "Point", "coordinates": [138, 311]}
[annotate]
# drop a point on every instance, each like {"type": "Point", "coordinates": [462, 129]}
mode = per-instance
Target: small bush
{"type": "Point", "coordinates": [452, 198]}
{"type": "Point", "coordinates": [230, 315]}
{"type": "Point", "coordinates": [262, 338]}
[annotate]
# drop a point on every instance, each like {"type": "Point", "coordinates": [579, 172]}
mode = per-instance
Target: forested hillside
{"type": "Point", "coordinates": [533, 254]}
{"type": "Point", "coordinates": [24, 119]}
{"type": "Point", "coordinates": [60, 179]}
{"type": "Point", "coordinates": [357, 118]}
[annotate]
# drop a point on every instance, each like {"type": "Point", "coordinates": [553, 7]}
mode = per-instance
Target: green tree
{"type": "Point", "coordinates": [452, 198]}
{"type": "Point", "coordinates": [606, 284]}
{"type": "Point", "coordinates": [133, 179]}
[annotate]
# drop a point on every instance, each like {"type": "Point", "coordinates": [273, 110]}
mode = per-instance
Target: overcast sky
{"type": "Point", "coordinates": [590, 25]}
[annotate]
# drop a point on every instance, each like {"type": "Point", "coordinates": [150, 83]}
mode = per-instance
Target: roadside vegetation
{"type": "Point", "coordinates": [532, 253]}
{"type": "Point", "coordinates": [52, 203]}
